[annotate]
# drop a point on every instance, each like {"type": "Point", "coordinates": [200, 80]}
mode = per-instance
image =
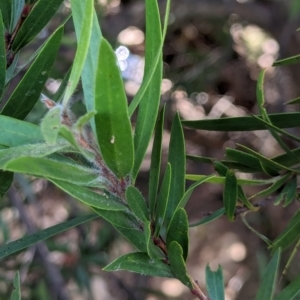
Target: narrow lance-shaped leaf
{"type": "Point", "coordinates": [15, 132]}
{"type": "Point", "coordinates": [156, 161]}
{"type": "Point", "coordinates": [82, 45]}
{"type": "Point", "coordinates": [30, 150]}
{"type": "Point", "coordinates": [243, 158]}
{"type": "Point", "coordinates": [112, 120]}
{"type": "Point", "coordinates": [222, 170]}
{"type": "Point", "coordinates": [228, 163]}
{"type": "Point", "coordinates": [291, 291]}
{"type": "Point", "coordinates": [2, 56]}
{"type": "Point", "coordinates": [287, 61]}
{"type": "Point", "coordinates": [177, 264]}
{"type": "Point", "coordinates": [148, 107]}
{"type": "Point", "coordinates": [265, 162]}
{"type": "Point", "coordinates": [267, 285]}
{"type": "Point", "coordinates": [137, 203]}
{"type": "Point", "coordinates": [220, 179]}
{"type": "Point", "coordinates": [290, 234]}
{"type": "Point", "coordinates": [16, 10]}
{"type": "Point", "coordinates": [100, 200]}
{"type": "Point", "coordinates": [215, 215]}
{"type": "Point", "coordinates": [215, 283]}
{"type": "Point", "coordinates": [123, 218]}
{"type": "Point", "coordinates": [149, 75]}
{"type": "Point", "coordinates": [140, 263]}
{"type": "Point", "coordinates": [41, 235]}
{"type": "Point", "coordinates": [135, 236]}
{"type": "Point", "coordinates": [288, 193]}
{"type": "Point", "coordinates": [162, 201]}
{"type": "Point", "coordinates": [178, 231]}
{"type": "Point", "coordinates": [49, 168]}
{"type": "Point", "coordinates": [282, 120]}
{"type": "Point", "coordinates": [177, 160]}
{"type": "Point", "coordinates": [148, 239]}
{"type": "Point", "coordinates": [29, 89]}
{"type": "Point", "coordinates": [16, 293]}
{"type": "Point", "coordinates": [273, 188]}
{"type": "Point", "coordinates": [88, 73]}
{"type": "Point", "coordinates": [37, 19]}
{"type": "Point", "coordinates": [230, 194]}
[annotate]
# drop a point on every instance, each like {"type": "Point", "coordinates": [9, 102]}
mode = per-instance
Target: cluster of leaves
{"type": "Point", "coordinates": [98, 163]}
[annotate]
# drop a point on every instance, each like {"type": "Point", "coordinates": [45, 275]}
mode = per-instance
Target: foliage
{"type": "Point", "coordinates": [108, 154]}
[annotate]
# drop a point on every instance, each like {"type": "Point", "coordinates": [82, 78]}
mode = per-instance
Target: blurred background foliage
{"type": "Point", "coordinates": [213, 53]}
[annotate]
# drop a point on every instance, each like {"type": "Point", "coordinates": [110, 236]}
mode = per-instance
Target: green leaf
{"type": "Point", "coordinates": [148, 77]}
{"type": "Point", "coordinates": [220, 179]}
{"type": "Point", "coordinates": [190, 190]}
{"type": "Point", "coordinates": [267, 285]}
{"type": "Point", "coordinates": [29, 89]}
{"type": "Point", "coordinates": [2, 56]}
{"type": "Point", "coordinates": [15, 132]}
{"type": "Point", "coordinates": [293, 101]}
{"type": "Point", "coordinates": [291, 291]}
{"type": "Point", "coordinates": [86, 19]}
{"type": "Point", "coordinates": [215, 215]}
{"type": "Point", "coordinates": [282, 120]}
{"type": "Point", "coordinates": [156, 161]}
{"type": "Point", "coordinates": [16, 293]}
{"type": "Point", "coordinates": [287, 160]}
{"type": "Point", "coordinates": [176, 158]}
{"type": "Point", "coordinates": [100, 200]}
{"type": "Point", "coordinates": [229, 164]}
{"type": "Point", "coordinates": [230, 194]}
{"type": "Point", "coordinates": [11, 71]}
{"type": "Point", "coordinates": [6, 179]}
{"type": "Point", "coordinates": [37, 19]}
{"type": "Point", "coordinates": [162, 200]}
{"type": "Point", "coordinates": [140, 263]}
{"type": "Point", "coordinates": [90, 66]}
{"type": "Point", "coordinates": [177, 264]}
{"type": "Point", "coordinates": [148, 239]}
{"type": "Point", "coordinates": [137, 203]}
{"type": "Point", "coordinates": [215, 283]}
{"type": "Point", "coordinates": [178, 231]}
{"type": "Point", "coordinates": [288, 193]}
{"type": "Point", "coordinates": [125, 219]}
{"type": "Point", "coordinates": [149, 104]}
{"type": "Point", "coordinates": [112, 120]}
{"type": "Point", "coordinates": [289, 235]}
{"type": "Point", "coordinates": [16, 10]}
{"type": "Point", "coordinates": [287, 61]}
{"type": "Point", "coordinates": [274, 131]}
{"type": "Point", "coordinates": [5, 7]}
{"type": "Point", "coordinates": [51, 124]}
{"type": "Point", "coordinates": [34, 150]}
{"type": "Point", "coordinates": [273, 188]}
{"type": "Point", "coordinates": [222, 170]}
{"type": "Point", "coordinates": [265, 162]}
{"type": "Point", "coordinates": [41, 235]}
{"type": "Point", "coordinates": [50, 168]}
{"type": "Point", "coordinates": [134, 236]}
